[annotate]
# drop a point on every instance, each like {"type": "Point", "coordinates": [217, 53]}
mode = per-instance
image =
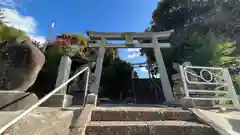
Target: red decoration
{"type": "Point", "coordinates": [62, 42]}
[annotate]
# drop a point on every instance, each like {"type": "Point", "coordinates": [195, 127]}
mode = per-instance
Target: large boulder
{"type": "Point", "coordinates": [20, 63]}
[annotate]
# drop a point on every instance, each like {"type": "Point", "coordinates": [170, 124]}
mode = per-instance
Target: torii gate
{"type": "Point", "coordinates": [137, 65]}
{"type": "Point", "coordinates": [101, 39]}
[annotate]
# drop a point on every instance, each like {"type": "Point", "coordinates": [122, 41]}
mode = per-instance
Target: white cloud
{"type": "Point", "coordinates": [143, 69]}
{"type": "Point", "coordinates": [134, 52]}
{"type": "Point", "coordinates": [7, 3]}
{"type": "Point", "coordinates": [16, 20]}
{"type": "Point", "coordinates": [133, 55]}
{"type": "Point", "coordinates": [134, 49]}
{"type": "Point", "coordinates": [24, 23]}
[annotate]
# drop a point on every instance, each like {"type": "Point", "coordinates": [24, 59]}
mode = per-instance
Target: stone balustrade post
{"type": "Point", "coordinates": [64, 70]}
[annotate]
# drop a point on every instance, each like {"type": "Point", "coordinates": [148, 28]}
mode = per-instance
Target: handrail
{"type": "Point", "coordinates": [154, 83]}
{"type": "Point", "coordinates": [155, 87]}
{"type": "Point", "coordinates": [24, 113]}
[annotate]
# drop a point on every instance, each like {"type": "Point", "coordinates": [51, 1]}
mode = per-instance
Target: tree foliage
{"type": "Point", "coordinates": [207, 50]}
{"type": "Point", "coordinates": [7, 32]}
{"type": "Point", "coordinates": [81, 49]}
{"type": "Point", "coordinates": [204, 30]}
{"type": "Point", "coordinates": [177, 14]}
{"type": "Point", "coordinates": [116, 74]}
{"type": "Point", "coordinates": [76, 38]}
{"type": "Point", "coordinates": [116, 79]}
{"type": "Point", "coordinates": [172, 14]}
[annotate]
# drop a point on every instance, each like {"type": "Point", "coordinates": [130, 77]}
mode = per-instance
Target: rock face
{"type": "Point", "coordinates": [20, 63]}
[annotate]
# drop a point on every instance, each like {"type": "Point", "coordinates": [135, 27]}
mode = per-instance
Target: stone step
{"type": "Point", "coordinates": [56, 100]}
{"type": "Point", "coordinates": [41, 121]}
{"type": "Point", "coordinates": [16, 100]}
{"type": "Point", "coordinates": [148, 128]}
{"type": "Point", "coordinates": [140, 114]}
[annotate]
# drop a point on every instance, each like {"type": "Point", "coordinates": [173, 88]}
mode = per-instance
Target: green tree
{"type": "Point", "coordinates": [208, 50]}
{"type": "Point", "coordinates": [236, 80]}
{"type": "Point", "coordinates": [116, 79]}
{"type": "Point", "coordinates": [110, 55]}
{"type": "Point", "coordinates": [190, 17]}
{"type": "Point", "coordinates": [7, 32]}
{"type": "Point", "coordinates": [174, 14]}
{"type": "Point", "coordinates": [116, 75]}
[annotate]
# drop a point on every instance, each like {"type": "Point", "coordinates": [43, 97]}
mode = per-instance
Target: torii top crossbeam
{"type": "Point", "coordinates": [129, 37]}
{"type": "Point", "coordinates": [137, 65]}
{"type": "Point", "coordinates": [121, 35]}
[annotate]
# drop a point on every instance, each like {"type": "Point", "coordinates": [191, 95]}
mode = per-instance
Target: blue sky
{"type": "Point", "coordinates": [77, 16]}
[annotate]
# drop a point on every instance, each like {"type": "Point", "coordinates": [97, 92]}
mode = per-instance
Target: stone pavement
{"type": "Point", "coordinates": [226, 123]}
{"type": "Point", "coordinates": [41, 121]}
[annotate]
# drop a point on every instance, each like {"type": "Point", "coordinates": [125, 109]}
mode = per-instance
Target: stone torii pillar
{"type": "Point", "coordinates": [100, 41]}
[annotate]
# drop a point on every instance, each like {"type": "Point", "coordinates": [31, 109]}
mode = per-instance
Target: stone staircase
{"type": "Point", "coordinates": [144, 121]}
{"type": "Point", "coordinates": [110, 121]}
{"type": "Point", "coordinates": [143, 92]}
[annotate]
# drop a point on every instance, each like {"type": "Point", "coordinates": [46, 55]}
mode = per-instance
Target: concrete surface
{"type": "Point", "coordinates": [227, 123]}
{"type": "Point", "coordinates": [6, 116]}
